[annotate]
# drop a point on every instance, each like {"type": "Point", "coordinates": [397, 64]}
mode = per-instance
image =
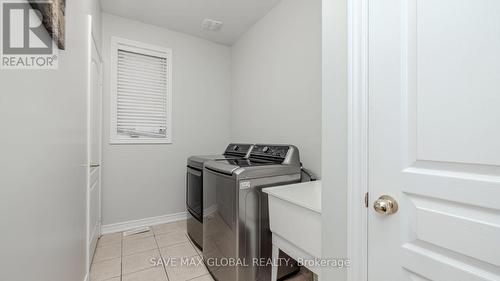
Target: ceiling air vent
{"type": "Point", "coordinates": [211, 25]}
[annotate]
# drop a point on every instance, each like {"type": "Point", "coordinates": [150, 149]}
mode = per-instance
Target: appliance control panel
{"type": "Point", "coordinates": [270, 150]}
{"type": "Point", "coordinates": [238, 148]}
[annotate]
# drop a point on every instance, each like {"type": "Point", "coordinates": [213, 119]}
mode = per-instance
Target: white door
{"type": "Point", "coordinates": [434, 139]}
{"type": "Point", "coordinates": [94, 147]}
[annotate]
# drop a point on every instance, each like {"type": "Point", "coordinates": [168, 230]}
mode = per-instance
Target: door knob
{"type": "Point", "coordinates": [386, 205]}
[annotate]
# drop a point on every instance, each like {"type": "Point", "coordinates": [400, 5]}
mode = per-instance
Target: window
{"type": "Point", "coordinates": [141, 93]}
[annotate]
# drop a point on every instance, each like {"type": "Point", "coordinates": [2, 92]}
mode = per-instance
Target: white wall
{"type": "Point", "coordinates": [43, 163]}
{"type": "Point", "coordinates": [276, 80]}
{"type": "Point", "coordinates": [141, 181]}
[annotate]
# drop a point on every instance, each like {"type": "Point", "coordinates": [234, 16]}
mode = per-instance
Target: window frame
{"type": "Point", "coordinates": [118, 43]}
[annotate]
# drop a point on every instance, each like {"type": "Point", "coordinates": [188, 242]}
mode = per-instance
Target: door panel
{"type": "Point", "coordinates": [455, 54]}
{"type": "Point", "coordinates": [95, 116]}
{"type": "Point", "coordinates": [94, 148]}
{"type": "Point", "coordinates": [448, 59]}
{"type": "Point", "coordinates": [94, 209]}
{"type": "Point", "coordinates": [434, 139]}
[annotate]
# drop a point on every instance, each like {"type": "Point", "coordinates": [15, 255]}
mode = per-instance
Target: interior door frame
{"type": "Point", "coordinates": [91, 43]}
{"type": "Point", "coordinates": [358, 139]}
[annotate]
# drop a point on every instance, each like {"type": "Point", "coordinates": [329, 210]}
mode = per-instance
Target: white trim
{"type": "Point", "coordinates": [127, 225]}
{"type": "Point", "coordinates": [142, 48]}
{"type": "Point", "coordinates": [86, 278]}
{"type": "Point", "coordinates": [358, 114]}
{"type": "Point", "coordinates": [89, 141]}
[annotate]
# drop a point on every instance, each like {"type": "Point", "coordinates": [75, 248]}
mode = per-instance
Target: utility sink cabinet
{"type": "Point", "coordinates": [295, 221]}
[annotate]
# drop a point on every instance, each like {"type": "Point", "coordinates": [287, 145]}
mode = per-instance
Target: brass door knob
{"type": "Point", "coordinates": [386, 205]}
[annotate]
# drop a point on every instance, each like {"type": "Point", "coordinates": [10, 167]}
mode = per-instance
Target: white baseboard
{"type": "Point", "coordinates": [127, 225]}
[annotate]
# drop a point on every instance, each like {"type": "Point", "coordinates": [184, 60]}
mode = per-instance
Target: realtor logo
{"type": "Point", "coordinates": [26, 43]}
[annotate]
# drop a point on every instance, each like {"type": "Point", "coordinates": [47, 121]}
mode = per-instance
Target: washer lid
{"type": "Point", "coordinates": [197, 161]}
{"type": "Point", "coordinates": [221, 166]}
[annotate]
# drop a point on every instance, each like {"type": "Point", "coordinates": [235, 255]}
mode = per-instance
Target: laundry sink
{"type": "Point", "coordinates": [295, 216]}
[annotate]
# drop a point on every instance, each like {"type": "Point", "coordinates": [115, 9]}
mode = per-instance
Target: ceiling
{"type": "Point", "coordinates": [186, 16]}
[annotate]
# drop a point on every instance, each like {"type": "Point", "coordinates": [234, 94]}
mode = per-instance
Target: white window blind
{"type": "Point", "coordinates": [142, 102]}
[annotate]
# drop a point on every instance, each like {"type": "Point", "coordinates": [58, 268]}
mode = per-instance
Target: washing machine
{"type": "Point", "coordinates": [194, 187]}
{"type": "Point", "coordinates": [236, 219]}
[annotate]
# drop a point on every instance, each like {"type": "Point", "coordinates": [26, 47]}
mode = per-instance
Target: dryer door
{"type": "Point", "coordinates": [194, 192]}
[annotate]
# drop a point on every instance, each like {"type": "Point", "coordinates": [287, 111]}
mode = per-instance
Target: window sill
{"type": "Point", "coordinates": [140, 141]}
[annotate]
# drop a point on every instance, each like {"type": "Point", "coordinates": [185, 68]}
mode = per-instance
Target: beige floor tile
{"type": "Point", "coordinates": [183, 250]}
{"type": "Point", "coordinates": [183, 271]}
{"type": "Point", "coordinates": [132, 246]}
{"type": "Point", "coordinates": [139, 236]}
{"type": "Point", "coordinates": [105, 270]}
{"type": "Point", "coordinates": [207, 277]}
{"type": "Point", "coordinates": [108, 239]}
{"type": "Point", "coordinates": [140, 261]}
{"type": "Point", "coordinates": [108, 252]}
{"type": "Point", "coordinates": [167, 228]}
{"type": "Point", "coordinates": [152, 274]}
{"type": "Point", "coordinates": [182, 224]}
{"type": "Point", "coordinates": [172, 238]}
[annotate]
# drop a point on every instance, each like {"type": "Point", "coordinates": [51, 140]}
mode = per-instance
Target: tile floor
{"type": "Point", "coordinates": [129, 258]}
